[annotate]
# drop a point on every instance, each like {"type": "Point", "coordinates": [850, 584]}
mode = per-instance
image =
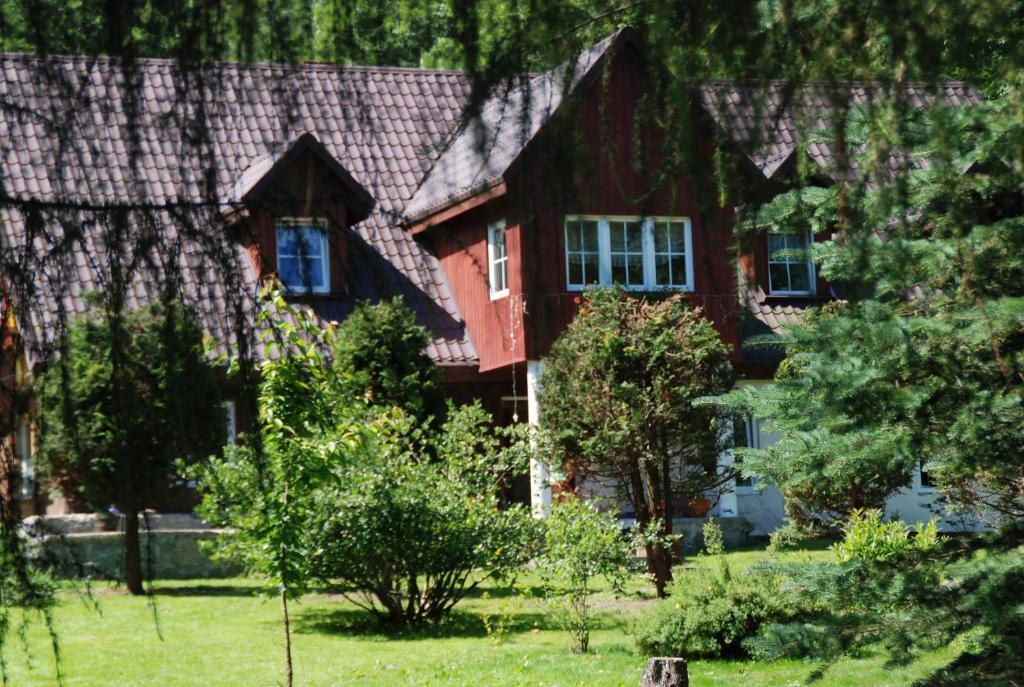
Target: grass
{"type": "Point", "coordinates": [220, 633]}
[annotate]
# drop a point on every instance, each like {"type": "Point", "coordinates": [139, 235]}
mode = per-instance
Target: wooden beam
{"type": "Point", "coordinates": [457, 209]}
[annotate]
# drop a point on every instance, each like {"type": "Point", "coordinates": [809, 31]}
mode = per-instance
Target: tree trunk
{"type": "Point", "coordinates": [659, 564]}
{"type": "Point", "coordinates": [665, 672]}
{"type": "Point", "coordinates": [132, 552]}
{"type": "Point", "coordinates": [286, 620]}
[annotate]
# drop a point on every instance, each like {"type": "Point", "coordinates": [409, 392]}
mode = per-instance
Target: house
{"type": "Point", "coordinates": [353, 183]}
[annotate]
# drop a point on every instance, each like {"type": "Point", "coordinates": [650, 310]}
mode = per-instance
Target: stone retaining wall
{"type": "Point", "coordinates": [80, 545]}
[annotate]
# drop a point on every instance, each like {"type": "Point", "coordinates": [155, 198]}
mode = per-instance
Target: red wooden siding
{"type": "Point", "coordinates": [614, 177]}
{"type": "Point", "coordinates": [495, 326]}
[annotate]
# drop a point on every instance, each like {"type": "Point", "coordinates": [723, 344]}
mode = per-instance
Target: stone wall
{"type": "Point", "coordinates": [83, 545]}
{"type": "Point", "coordinates": [735, 531]}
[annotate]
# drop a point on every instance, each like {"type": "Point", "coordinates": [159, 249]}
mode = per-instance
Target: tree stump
{"type": "Point", "coordinates": [665, 672]}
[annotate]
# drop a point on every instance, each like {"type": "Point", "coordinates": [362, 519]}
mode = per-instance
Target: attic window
{"type": "Point", "coordinates": [790, 268]}
{"type": "Point", "coordinates": [302, 256]}
{"type": "Point", "coordinates": [497, 258]}
{"type": "Point", "coordinates": [634, 252]}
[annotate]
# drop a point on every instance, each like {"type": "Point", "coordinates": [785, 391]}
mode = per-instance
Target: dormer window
{"type": "Point", "coordinates": [302, 255]}
{"type": "Point", "coordinates": [497, 257]}
{"type": "Point", "coordinates": [790, 268]}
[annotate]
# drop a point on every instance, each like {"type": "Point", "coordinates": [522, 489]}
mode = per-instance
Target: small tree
{"type": "Point", "coordinates": [133, 393]}
{"type": "Point", "coordinates": [379, 357]}
{"type": "Point", "coordinates": [583, 543]}
{"type": "Point", "coordinates": [409, 530]}
{"type": "Point", "coordinates": [618, 401]}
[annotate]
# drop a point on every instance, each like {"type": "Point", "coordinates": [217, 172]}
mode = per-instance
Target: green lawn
{"type": "Point", "coordinates": [222, 633]}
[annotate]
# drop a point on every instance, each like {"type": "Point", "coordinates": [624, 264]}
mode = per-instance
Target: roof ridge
{"type": "Point", "coordinates": [820, 82]}
{"type": "Point", "coordinates": [314, 65]}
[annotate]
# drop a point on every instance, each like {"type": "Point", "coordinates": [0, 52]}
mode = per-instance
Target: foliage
{"type": "Point", "coordinates": [921, 364]}
{"type": "Point", "coordinates": [869, 538]}
{"type": "Point", "coordinates": [712, 611]}
{"type": "Point", "coordinates": [912, 595]}
{"type": "Point", "coordinates": [617, 401]}
{"type": "Point", "coordinates": [406, 536]}
{"type": "Point", "coordinates": [264, 491]}
{"type": "Point", "coordinates": [379, 358]}
{"type": "Point", "coordinates": [131, 395]}
{"type": "Point", "coordinates": [583, 542]}
{"type": "Point", "coordinates": [789, 537]}
{"type": "Point", "coordinates": [714, 539]}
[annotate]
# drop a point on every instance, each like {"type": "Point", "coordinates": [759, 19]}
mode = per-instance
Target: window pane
{"type": "Point", "coordinates": [589, 229]}
{"type": "Point", "coordinates": [287, 242]}
{"type": "Point", "coordinates": [661, 237]}
{"type": "Point", "coordinates": [591, 267]}
{"type": "Point", "coordinates": [576, 268]}
{"type": "Point", "coordinates": [290, 272]}
{"type": "Point", "coordinates": [573, 237]}
{"type": "Point", "coordinates": [634, 237]}
{"type": "Point", "coordinates": [678, 270]}
{"type": "Point", "coordinates": [777, 247]}
{"type": "Point", "coordinates": [799, 279]}
{"type": "Point", "coordinates": [661, 275]}
{"type": "Point", "coordinates": [778, 276]}
{"type": "Point", "coordinates": [618, 242]}
{"type": "Point", "coordinates": [678, 231]}
{"type": "Point", "coordinates": [619, 269]}
{"type": "Point", "coordinates": [636, 269]}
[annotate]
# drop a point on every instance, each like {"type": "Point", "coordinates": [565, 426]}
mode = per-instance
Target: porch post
{"type": "Point", "coordinates": [540, 475]}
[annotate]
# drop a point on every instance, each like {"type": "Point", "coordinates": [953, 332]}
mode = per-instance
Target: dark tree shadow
{"type": "Point", "coordinates": [207, 590]}
{"type": "Point", "coordinates": [360, 623]}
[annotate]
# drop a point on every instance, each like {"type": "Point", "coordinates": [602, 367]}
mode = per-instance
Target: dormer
{"type": "Point", "coordinates": [298, 207]}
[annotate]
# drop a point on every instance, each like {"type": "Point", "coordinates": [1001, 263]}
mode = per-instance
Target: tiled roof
{"type": "Point", "coordinates": [485, 146]}
{"type": "Point", "coordinates": [87, 133]}
{"type": "Point", "coordinates": [81, 136]}
{"type": "Point", "coordinates": [769, 121]}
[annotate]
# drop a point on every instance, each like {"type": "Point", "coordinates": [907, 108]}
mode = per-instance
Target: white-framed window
{"type": "Point", "coordinates": [790, 267]}
{"type": "Point", "coordinates": [633, 252]}
{"type": "Point", "coordinates": [497, 259]}
{"type": "Point", "coordinates": [23, 447]}
{"type": "Point", "coordinates": [745, 434]}
{"type": "Point", "coordinates": [926, 484]}
{"type": "Point", "coordinates": [230, 426]}
{"type": "Point", "coordinates": [302, 255]}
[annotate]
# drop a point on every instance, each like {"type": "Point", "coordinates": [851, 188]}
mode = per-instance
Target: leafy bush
{"type": "Point", "coordinates": [711, 611]}
{"type": "Point", "coordinates": [789, 537]}
{"type": "Point", "coordinates": [868, 538]}
{"type": "Point", "coordinates": [405, 535]}
{"type": "Point", "coordinates": [583, 543]}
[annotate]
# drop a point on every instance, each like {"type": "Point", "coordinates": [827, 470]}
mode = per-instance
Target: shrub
{"type": "Point", "coordinates": [583, 543]}
{"type": "Point", "coordinates": [868, 538]}
{"type": "Point", "coordinates": [711, 612]}
{"type": "Point", "coordinates": [789, 537]}
{"type": "Point", "coordinates": [405, 536]}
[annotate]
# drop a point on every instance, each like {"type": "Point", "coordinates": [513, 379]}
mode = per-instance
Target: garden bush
{"type": "Point", "coordinates": [711, 611]}
{"type": "Point", "coordinates": [406, 535]}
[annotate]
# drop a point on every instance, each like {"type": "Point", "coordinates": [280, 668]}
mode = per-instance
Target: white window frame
{"type": "Point", "coordinates": [648, 244]}
{"type": "Point", "coordinates": [23, 447]}
{"type": "Point", "coordinates": [497, 233]}
{"type": "Point", "coordinates": [811, 276]}
{"type": "Point", "coordinates": [230, 423]}
{"type": "Point", "coordinates": [306, 223]}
